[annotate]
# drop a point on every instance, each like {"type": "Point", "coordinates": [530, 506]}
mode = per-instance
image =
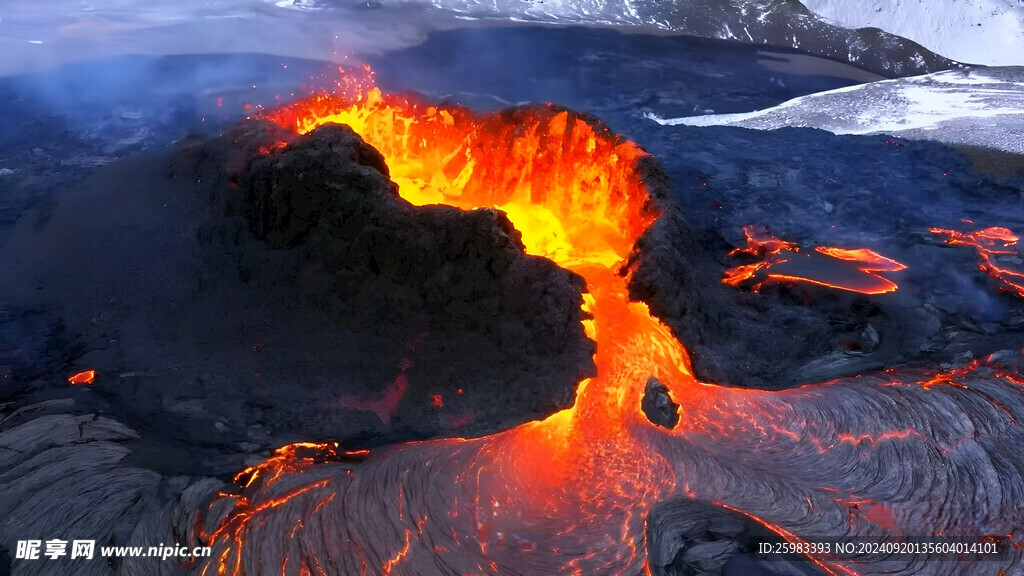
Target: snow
{"type": "Point", "coordinates": [982, 107]}
{"type": "Point", "coordinates": [987, 32]}
{"type": "Point", "coordinates": [296, 4]}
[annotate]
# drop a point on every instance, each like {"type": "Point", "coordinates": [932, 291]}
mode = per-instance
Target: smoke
{"type": "Point", "coordinates": [36, 36]}
{"type": "Point", "coordinates": [148, 101]}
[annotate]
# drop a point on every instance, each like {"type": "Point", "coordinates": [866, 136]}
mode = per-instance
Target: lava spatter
{"type": "Point", "coordinates": [570, 494]}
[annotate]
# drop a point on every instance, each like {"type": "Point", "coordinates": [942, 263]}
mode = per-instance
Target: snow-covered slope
{"type": "Point", "coordinates": [31, 38]}
{"type": "Point", "coordinates": [976, 106]}
{"type": "Point", "coordinates": [775, 22]}
{"type": "Point", "coordinates": [976, 31]}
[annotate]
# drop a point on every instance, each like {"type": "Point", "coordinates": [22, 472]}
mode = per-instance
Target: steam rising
{"type": "Point", "coordinates": [33, 39]}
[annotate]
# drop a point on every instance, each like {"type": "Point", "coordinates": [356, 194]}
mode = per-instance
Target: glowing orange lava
{"type": "Point", "coordinates": [285, 460]}
{"type": "Point", "coordinates": [576, 193]}
{"type": "Point", "coordinates": [853, 270]}
{"type": "Point", "coordinates": [544, 168]}
{"type": "Point", "coordinates": [83, 378]}
{"type": "Point", "coordinates": [992, 244]}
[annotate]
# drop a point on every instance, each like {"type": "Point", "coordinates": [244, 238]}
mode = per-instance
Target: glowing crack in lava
{"type": "Point", "coordinates": [853, 270]}
{"type": "Point", "coordinates": [999, 253]}
{"type": "Point", "coordinates": [874, 457]}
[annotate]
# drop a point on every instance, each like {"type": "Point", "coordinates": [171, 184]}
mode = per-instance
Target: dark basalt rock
{"type": "Point", "coordinates": [5, 562]}
{"type": "Point", "coordinates": [482, 335]}
{"type": "Point", "coordinates": [788, 335]}
{"type": "Point", "coordinates": [696, 538]}
{"type": "Point", "coordinates": [658, 406]}
{"type": "Point", "coordinates": [667, 270]}
{"type": "Point", "coordinates": [70, 477]}
{"type": "Point", "coordinates": [261, 295]}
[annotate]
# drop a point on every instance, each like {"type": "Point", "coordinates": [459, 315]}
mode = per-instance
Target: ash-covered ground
{"type": "Point", "coordinates": [215, 340]}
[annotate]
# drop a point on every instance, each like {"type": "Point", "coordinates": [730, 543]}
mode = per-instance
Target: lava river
{"type": "Point", "coordinates": [879, 457]}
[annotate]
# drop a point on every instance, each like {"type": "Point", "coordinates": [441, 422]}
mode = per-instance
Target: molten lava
{"type": "Point", "coordinates": [571, 494]}
{"type": "Point", "coordinates": [575, 192]}
{"type": "Point", "coordinates": [572, 190]}
{"type": "Point", "coordinates": [999, 253]}
{"type": "Point", "coordinates": [853, 270]}
{"type": "Point", "coordinates": [85, 378]}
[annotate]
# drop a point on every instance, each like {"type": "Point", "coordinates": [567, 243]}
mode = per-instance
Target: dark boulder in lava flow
{"type": "Point", "coordinates": [658, 406]}
{"type": "Point", "coordinates": [478, 335]}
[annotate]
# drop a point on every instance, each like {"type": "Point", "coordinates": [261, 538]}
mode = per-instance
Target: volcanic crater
{"type": "Point", "coordinates": [589, 201]}
{"type": "Point", "coordinates": [440, 341]}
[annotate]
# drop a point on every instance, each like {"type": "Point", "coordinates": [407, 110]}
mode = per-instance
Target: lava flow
{"type": "Point", "coordinates": [853, 270]}
{"type": "Point", "coordinates": [993, 244]}
{"type": "Point", "coordinates": [83, 378]}
{"type": "Point", "coordinates": [571, 494]}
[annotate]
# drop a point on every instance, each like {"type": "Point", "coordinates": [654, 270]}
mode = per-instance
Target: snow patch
{"type": "Point", "coordinates": [977, 31]}
{"type": "Point", "coordinates": [982, 107]}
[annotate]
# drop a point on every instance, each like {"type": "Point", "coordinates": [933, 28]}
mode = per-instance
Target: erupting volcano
{"type": "Point", "coordinates": [883, 456]}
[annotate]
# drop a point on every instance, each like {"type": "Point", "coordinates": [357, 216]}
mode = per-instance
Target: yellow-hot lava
{"type": "Point", "coordinates": [574, 191]}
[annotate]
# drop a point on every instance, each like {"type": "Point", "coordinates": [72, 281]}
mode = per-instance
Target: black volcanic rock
{"type": "Point", "coordinates": [483, 336]}
{"type": "Point", "coordinates": [818, 189]}
{"type": "Point", "coordinates": [658, 406]}
{"type": "Point", "coordinates": [250, 296]}
{"type": "Point", "coordinates": [668, 269]}
{"type": "Point", "coordinates": [234, 295]}
{"type": "Point", "coordinates": [693, 537]}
